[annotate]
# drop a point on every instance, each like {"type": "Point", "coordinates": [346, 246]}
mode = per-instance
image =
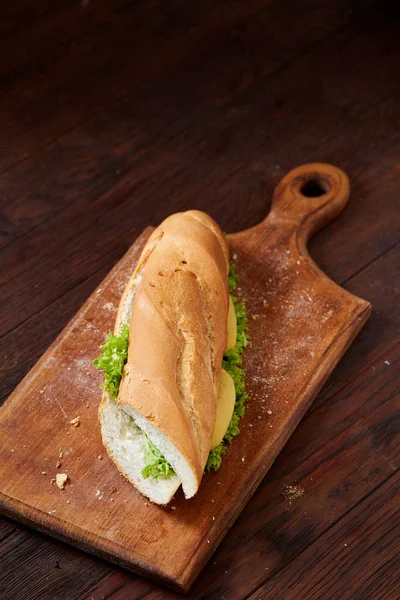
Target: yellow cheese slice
{"type": "Point", "coordinates": [232, 326]}
{"type": "Point", "coordinates": [225, 406]}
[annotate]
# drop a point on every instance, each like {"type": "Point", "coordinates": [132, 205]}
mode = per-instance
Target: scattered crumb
{"type": "Point", "coordinates": [113, 489]}
{"type": "Point", "coordinates": [41, 391]}
{"type": "Point", "coordinates": [213, 518]}
{"type": "Point", "coordinates": [173, 507]}
{"type": "Point", "coordinates": [234, 256]}
{"type": "Point", "coordinates": [68, 501]}
{"type": "Point", "coordinates": [52, 481]}
{"type": "Point", "coordinates": [60, 453]}
{"type": "Point", "coordinates": [110, 307]}
{"type": "Point", "coordinates": [146, 503]}
{"type": "Point", "coordinates": [327, 316]}
{"type": "Point", "coordinates": [61, 480]}
{"type": "Point", "coordinates": [265, 303]}
{"type": "Point", "coordinates": [208, 541]}
{"type": "Point", "coordinates": [269, 412]}
{"type": "Point", "coordinates": [58, 464]}
{"type": "Point", "coordinates": [242, 458]}
{"type": "Point", "coordinates": [87, 405]}
{"type": "Point", "coordinates": [387, 362]}
{"type": "Point", "coordinates": [292, 492]}
{"type": "Point", "coordinates": [44, 473]}
{"type": "Point", "coordinates": [75, 422]}
{"type": "Point", "coordinates": [100, 457]}
{"type": "Point", "coordinates": [112, 499]}
{"type": "Point", "coordinates": [346, 545]}
{"type": "Point", "coordinates": [12, 450]}
{"type": "Point", "coordinates": [255, 317]}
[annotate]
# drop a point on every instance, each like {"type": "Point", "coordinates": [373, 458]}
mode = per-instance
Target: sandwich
{"type": "Point", "coordinates": [174, 389]}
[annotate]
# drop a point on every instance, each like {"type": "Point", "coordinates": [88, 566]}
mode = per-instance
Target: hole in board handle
{"type": "Point", "coordinates": [313, 188]}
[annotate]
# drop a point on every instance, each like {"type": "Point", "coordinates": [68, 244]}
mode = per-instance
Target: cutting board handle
{"type": "Point", "coordinates": [308, 197]}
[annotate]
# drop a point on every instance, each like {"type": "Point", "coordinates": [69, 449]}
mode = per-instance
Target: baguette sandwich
{"type": "Point", "coordinates": [174, 390]}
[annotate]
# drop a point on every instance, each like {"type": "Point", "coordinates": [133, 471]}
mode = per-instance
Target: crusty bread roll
{"type": "Point", "coordinates": [177, 305]}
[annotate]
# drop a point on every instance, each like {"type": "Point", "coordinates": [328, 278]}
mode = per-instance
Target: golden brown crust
{"type": "Point", "coordinates": [178, 332]}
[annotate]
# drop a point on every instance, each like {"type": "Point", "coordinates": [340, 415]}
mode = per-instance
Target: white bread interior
{"type": "Point", "coordinates": [177, 304]}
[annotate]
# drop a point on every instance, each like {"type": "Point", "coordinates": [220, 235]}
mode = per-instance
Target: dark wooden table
{"type": "Point", "coordinates": [114, 114]}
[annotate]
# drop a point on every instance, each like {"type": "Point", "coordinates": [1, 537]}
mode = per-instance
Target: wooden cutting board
{"type": "Point", "coordinates": [300, 325]}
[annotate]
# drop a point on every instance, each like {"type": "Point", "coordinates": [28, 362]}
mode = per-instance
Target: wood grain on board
{"type": "Point", "coordinates": [301, 323]}
{"type": "Point", "coordinates": [207, 111]}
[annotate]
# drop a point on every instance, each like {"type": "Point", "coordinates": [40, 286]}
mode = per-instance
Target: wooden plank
{"type": "Point", "coordinates": [358, 558]}
{"type": "Point", "coordinates": [140, 117]}
{"type": "Point", "coordinates": [377, 283]}
{"type": "Point", "coordinates": [221, 181]}
{"type": "Point", "coordinates": [338, 456]}
{"type": "Point", "coordinates": [290, 301]}
{"type": "Point", "coordinates": [55, 576]}
{"type": "Point", "coordinates": [80, 72]}
{"type": "Point", "coordinates": [41, 330]}
{"type": "Point", "coordinates": [22, 13]}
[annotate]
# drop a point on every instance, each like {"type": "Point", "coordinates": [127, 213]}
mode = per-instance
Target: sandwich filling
{"type": "Point", "coordinates": [232, 394]}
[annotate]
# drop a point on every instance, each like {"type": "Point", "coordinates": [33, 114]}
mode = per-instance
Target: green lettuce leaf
{"type": "Point", "coordinates": [232, 362]}
{"type": "Point", "coordinates": [113, 358]}
{"type": "Point", "coordinates": [232, 278]}
{"type": "Point", "coordinates": [156, 465]}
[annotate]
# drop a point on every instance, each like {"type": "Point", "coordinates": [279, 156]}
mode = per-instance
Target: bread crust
{"type": "Point", "coordinates": [178, 332]}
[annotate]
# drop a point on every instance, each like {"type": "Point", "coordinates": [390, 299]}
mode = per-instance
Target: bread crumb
{"type": "Point", "coordinates": [68, 501]}
{"type": "Point", "coordinates": [112, 499]}
{"type": "Point", "coordinates": [44, 473]}
{"type": "Point", "coordinates": [388, 364]}
{"type": "Point", "coordinates": [61, 480]}
{"type": "Point", "coordinates": [52, 480]}
{"type": "Point", "coordinates": [100, 457]}
{"type": "Point", "coordinates": [255, 317]}
{"type": "Point", "coordinates": [75, 422]}
{"type": "Point", "coordinates": [87, 405]}
{"type": "Point", "coordinates": [173, 507]}
{"type": "Point", "coordinates": [60, 453]}
{"type": "Point", "coordinates": [243, 459]}
{"type": "Point", "coordinates": [269, 412]}
{"type": "Point", "coordinates": [58, 464]}
{"type": "Point", "coordinates": [292, 492]}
